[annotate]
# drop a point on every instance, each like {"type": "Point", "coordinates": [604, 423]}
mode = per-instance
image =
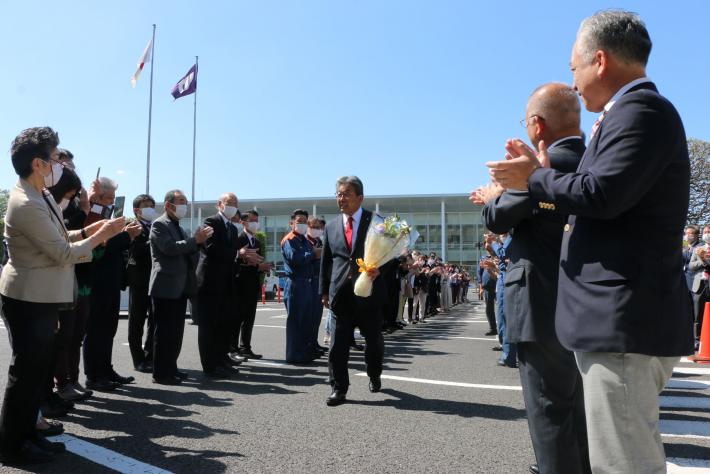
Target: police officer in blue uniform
{"type": "Point", "coordinates": [299, 255]}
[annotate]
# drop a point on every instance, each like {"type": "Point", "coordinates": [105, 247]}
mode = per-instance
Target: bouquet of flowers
{"type": "Point", "coordinates": [386, 239]}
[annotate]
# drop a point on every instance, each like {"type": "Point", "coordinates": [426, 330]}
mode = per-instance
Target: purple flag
{"type": "Point", "coordinates": [187, 85]}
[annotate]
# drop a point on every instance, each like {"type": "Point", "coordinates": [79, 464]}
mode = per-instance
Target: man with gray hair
{"type": "Point", "coordinates": [622, 307]}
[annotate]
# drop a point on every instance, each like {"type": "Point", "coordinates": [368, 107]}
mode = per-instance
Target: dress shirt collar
{"type": "Point", "coordinates": [356, 217]}
{"type": "Point", "coordinates": [224, 219]}
{"type": "Point", "coordinates": [623, 91]}
{"type": "Point", "coordinates": [557, 142]}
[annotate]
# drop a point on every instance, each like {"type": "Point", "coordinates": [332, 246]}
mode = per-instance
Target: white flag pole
{"type": "Point", "coordinates": [150, 114]}
{"type": "Point", "coordinates": [194, 141]}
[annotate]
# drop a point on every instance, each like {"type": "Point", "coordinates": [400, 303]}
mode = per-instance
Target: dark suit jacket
{"type": "Point", "coordinates": [139, 263]}
{"type": "Point", "coordinates": [534, 252]}
{"type": "Point", "coordinates": [248, 281]}
{"type": "Point", "coordinates": [217, 267]}
{"type": "Point", "coordinates": [174, 257]}
{"type": "Point", "coordinates": [109, 264]}
{"type": "Point", "coordinates": [338, 268]}
{"type": "Point", "coordinates": [618, 293]}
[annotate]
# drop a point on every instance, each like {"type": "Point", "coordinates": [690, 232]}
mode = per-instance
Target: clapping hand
{"type": "Point", "coordinates": [203, 233]}
{"type": "Point", "coordinates": [134, 229]}
{"type": "Point", "coordinates": [486, 193]}
{"type": "Point", "coordinates": [520, 162]}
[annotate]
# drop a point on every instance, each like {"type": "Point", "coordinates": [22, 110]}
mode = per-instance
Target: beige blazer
{"type": "Point", "coordinates": [42, 252]}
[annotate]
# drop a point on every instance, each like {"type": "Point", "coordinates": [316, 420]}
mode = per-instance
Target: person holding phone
{"type": "Point", "coordinates": [36, 282]}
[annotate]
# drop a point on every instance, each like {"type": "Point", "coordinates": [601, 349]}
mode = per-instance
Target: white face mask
{"type": "Point", "coordinates": [148, 214]}
{"type": "Point", "coordinates": [229, 211]}
{"type": "Point", "coordinates": [706, 238]}
{"type": "Point", "coordinates": [180, 210]}
{"type": "Point", "coordinates": [253, 227]}
{"type": "Point", "coordinates": [63, 204]}
{"type": "Point", "coordinates": [54, 175]}
{"type": "Point", "coordinates": [315, 233]}
{"type": "Point", "coordinates": [301, 228]}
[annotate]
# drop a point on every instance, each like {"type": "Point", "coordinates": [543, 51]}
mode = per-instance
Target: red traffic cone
{"type": "Point", "coordinates": [703, 355]}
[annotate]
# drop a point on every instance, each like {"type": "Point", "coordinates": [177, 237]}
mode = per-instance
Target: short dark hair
{"type": "Point", "coordinates": [68, 182]}
{"type": "Point", "coordinates": [693, 228]}
{"type": "Point", "coordinates": [35, 142]}
{"type": "Point", "coordinates": [141, 198]}
{"type": "Point", "coordinates": [170, 195]}
{"type": "Point", "coordinates": [65, 154]}
{"type": "Point", "coordinates": [299, 212]}
{"type": "Point", "coordinates": [249, 213]}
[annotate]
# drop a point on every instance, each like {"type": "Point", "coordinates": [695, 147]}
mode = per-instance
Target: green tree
{"type": "Point", "coordinates": [699, 208]}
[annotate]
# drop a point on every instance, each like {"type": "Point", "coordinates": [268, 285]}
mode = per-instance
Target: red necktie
{"type": "Point", "coordinates": [349, 233]}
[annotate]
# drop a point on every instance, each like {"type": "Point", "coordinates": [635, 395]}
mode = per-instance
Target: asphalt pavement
{"type": "Point", "coordinates": [445, 407]}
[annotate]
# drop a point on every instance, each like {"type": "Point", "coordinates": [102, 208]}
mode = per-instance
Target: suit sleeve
{"type": "Point", "coordinates": [632, 154]}
{"type": "Point", "coordinates": [696, 263]}
{"type": "Point", "coordinates": [326, 265]}
{"type": "Point", "coordinates": [36, 224]}
{"type": "Point", "coordinates": [216, 249]}
{"type": "Point", "coordinates": [160, 237]}
{"type": "Point", "coordinates": [507, 211]}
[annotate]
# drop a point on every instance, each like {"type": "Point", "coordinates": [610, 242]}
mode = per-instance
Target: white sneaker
{"type": "Point", "coordinates": [69, 393]}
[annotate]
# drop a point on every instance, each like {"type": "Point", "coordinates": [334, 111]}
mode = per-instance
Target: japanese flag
{"type": "Point", "coordinates": [145, 58]}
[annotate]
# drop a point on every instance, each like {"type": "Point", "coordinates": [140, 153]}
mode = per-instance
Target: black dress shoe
{"type": "Point", "coordinates": [534, 469]}
{"type": "Point", "coordinates": [336, 398]}
{"type": "Point", "coordinates": [169, 380]}
{"type": "Point", "coordinates": [321, 348]}
{"type": "Point", "coordinates": [358, 347]}
{"type": "Point", "coordinates": [49, 446]}
{"type": "Point", "coordinates": [375, 384]}
{"type": "Point", "coordinates": [55, 428]}
{"type": "Point", "coordinates": [114, 377]}
{"type": "Point", "coordinates": [218, 373]}
{"type": "Point", "coordinates": [145, 367]}
{"type": "Point", "coordinates": [491, 333]}
{"type": "Point", "coordinates": [102, 385]}
{"type": "Point", "coordinates": [230, 369]}
{"type": "Point", "coordinates": [234, 359]}
{"type": "Point", "coordinates": [247, 353]}
{"type": "Point", "coordinates": [29, 453]}
{"type": "Point", "coordinates": [497, 348]}
{"type": "Point", "coordinates": [181, 375]}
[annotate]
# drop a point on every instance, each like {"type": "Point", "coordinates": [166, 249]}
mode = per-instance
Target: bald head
{"type": "Point", "coordinates": [227, 197]}
{"type": "Point", "coordinates": [556, 108]}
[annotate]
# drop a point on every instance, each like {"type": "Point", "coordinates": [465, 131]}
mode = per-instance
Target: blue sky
{"type": "Point", "coordinates": [412, 96]}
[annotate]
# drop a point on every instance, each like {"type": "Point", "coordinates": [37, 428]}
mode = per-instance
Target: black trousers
{"type": "Point", "coordinates": [699, 300]}
{"type": "Point", "coordinates": [31, 328]}
{"type": "Point", "coordinates": [140, 309]}
{"type": "Point", "coordinates": [101, 328]}
{"type": "Point", "coordinates": [552, 390]}
{"type": "Point", "coordinates": [354, 312]}
{"type": "Point", "coordinates": [490, 298]}
{"type": "Point", "coordinates": [246, 314]}
{"type": "Point", "coordinates": [214, 328]}
{"type": "Point", "coordinates": [169, 328]}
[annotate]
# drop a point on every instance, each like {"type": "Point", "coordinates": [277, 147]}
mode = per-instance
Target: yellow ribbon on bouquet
{"type": "Point", "coordinates": [364, 267]}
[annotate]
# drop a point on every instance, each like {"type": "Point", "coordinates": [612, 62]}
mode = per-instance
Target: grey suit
{"type": "Point", "coordinates": [700, 291]}
{"type": "Point", "coordinates": [172, 281]}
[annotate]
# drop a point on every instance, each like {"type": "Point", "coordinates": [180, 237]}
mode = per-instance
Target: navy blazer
{"type": "Point", "coordinates": [534, 252]}
{"type": "Point", "coordinates": [618, 293]}
{"type": "Point", "coordinates": [338, 267]}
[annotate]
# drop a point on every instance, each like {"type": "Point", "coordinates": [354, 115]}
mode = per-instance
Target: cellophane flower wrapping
{"type": "Point", "coordinates": [386, 239]}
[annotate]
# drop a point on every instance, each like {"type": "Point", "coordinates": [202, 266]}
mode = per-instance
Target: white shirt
{"type": "Point", "coordinates": [623, 91]}
{"type": "Point", "coordinates": [226, 221]}
{"type": "Point", "coordinates": [356, 223]}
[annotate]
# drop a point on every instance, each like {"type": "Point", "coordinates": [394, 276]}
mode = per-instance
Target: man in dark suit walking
{"type": "Point", "coordinates": [343, 244]}
{"type": "Point", "coordinates": [138, 276]}
{"type": "Point", "coordinates": [217, 271]}
{"type": "Point", "coordinates": [552, 385]}
{"type": "Point", "coordinates": [172, 281]}
{"type": "Point", "coordinates": [622, 307]}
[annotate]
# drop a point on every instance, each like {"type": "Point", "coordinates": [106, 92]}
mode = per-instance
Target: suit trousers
{"type": "Point", "coordinates": [554, 401]}
{"type": "Point", "coordinates": [100, 331]}
{"type": "Point", "coordinates": [31, 329]}
{"type": "Point", "coordinates": [247, 315]}
{"type": "Point", "coordinates": [169, 328]}
{"type": "Point", "coordinates": [140, 309]}
{"type": "Point", "coordinates": [421, 298]}
{"type": "Point", "coordinates": [699, 301]}
{"type": "Point", "coordinates": [489, 296]}
{"type": "Point", "coordinates": [349, 314]}
{"type": "Point", "coordinates": [214, 328]}
{"type": "Point", "coordinates": [621, 402]}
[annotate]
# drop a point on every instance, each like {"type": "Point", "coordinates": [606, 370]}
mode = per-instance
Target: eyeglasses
{"type": "Point", "coordinates": [524, 122]}
{"type": "Point", "coordinates": [344, 195]}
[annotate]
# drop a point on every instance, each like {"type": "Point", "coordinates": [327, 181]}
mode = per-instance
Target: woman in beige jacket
{"type": "Point", "coordinates": [37, 280]}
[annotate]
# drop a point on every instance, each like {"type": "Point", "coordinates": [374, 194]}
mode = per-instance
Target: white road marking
{"type": "Point", "coordinates": [270, 364]}
{"type": "Point", "coordinates": [685, 402]}
{"type": "Point", "coordinates": [687, 466]}
{"type": "Point", "coordinates": [267, 326]}
{"type": "Point", "coordinates": [443, 382]}
{"type": "Point", "coordinates": [685, 429]}
{"type": "Point", "coordinates": [106, 457]}
{"type": "Point", "coordinates": [692, 370]}
{"type": "Point", "coordinates": [270, 309]}
{"type": "Point", "coordinates": [280, 316]}
{"type": "Point", "coordinates": [688, 384]}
